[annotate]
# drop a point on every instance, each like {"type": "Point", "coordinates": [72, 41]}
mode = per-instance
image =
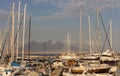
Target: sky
{"type": "Point", "coordinates": [52, 19]}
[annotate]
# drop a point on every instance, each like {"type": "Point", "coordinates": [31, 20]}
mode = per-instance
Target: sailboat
{"type": "Point", "coordinates": [82, 68]}
{"type": "Point", "coordinates": [13, 62]}
{"type": "Point", "coordinates": [108, 56]}
{"type": "Point", "coordinates": [13, 66]}
{"type": "Point", "coordinates": [6, 68]}
{"type": "Point", "coordinates": [91, 56]}
{"type": "Point", "coordinates": [69, 55]}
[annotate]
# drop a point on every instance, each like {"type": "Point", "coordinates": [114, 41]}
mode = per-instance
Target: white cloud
{"type": "Point", "coordinates": [72, 7]}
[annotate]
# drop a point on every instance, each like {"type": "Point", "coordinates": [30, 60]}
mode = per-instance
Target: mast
{"type": "Point", "coordinates": [29, 36]}
{"type": "Point", "coordinates": [18, 29]}
{"type": "Point", "coordinates": [12, 33]}
{"type": "Point", "coordinates": [0, 39]}
{"type": "Point", "coordinates": [90, 40]}
{"type": "Point", "coordinates": [69, 42]}
{"type": "Point", "coordinates": [24, 19]}
{"type": "Point", "coordinates": [80, 36]}
{"type": "Point", "coordinates": [111, 33]}
{"type": "Point", "coordinates": [98, 32]}
{"type": "Point", "coordinates": [105, 31]}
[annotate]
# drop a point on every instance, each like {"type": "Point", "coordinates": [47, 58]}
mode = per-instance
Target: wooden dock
{"type": "Point", "coordinates": [57, 71]}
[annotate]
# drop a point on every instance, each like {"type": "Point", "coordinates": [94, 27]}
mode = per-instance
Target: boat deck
{"type": "Point", "coordinates": [57, 71]}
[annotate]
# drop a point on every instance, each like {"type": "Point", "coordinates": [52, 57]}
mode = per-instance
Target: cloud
{"type": "Point", "coordinates": [3, 15]}
{"type": "Point", "coordinates": [53, 17]}
{"type": "Point", "coordinates": [40, 1]}
{"type": "Point", "coordinates": [72, 7]}
{"type": "Point", "coordinates": [47, 17]}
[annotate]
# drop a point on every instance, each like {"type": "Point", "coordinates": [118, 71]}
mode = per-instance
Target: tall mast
{"type": "Point", "coordinates": [98, 32]}
{"type": "Point", "coordinates": [18, 29]}
{"type": "Point", "coordinates": [29, 36]}
{"type": "Point", "coordinates": [0, 38]}
{"type": "Point", "coordinates": [12, 33]}
{"type": "Point", "coordinates": [90, 40]}
{"type": "Point", "coordinates": [24, 19]}
{"type": "Point", "coordinates": [68, 42]}
{"type": "Point", "coordinates": [111, 33]}
{"type": "Point", "coordinates": [80, 36]}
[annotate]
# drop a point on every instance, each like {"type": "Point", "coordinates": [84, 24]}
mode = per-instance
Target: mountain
{"type": "Point", "coordinates": [50, 45]}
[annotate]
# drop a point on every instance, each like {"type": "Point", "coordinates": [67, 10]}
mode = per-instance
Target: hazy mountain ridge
{"type": "Point", "coordinates": [50, 45]}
